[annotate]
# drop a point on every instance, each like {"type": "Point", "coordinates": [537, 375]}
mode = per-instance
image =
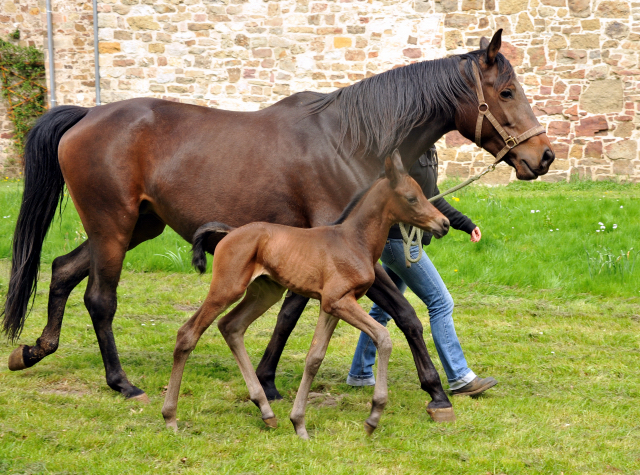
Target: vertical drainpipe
{"type": "Point", "coordinates": [52, 73]}
{"type": "Point", "coordinates": [96, 51]}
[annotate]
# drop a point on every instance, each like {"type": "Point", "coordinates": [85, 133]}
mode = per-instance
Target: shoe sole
{"type": "Point", "coordinates": [478, 391]}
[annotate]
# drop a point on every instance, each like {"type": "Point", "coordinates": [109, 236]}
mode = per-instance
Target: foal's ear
{"type": "Point", "coordinates": [492, 47]}
{"type": "Point", "coordinates": [393, 168]}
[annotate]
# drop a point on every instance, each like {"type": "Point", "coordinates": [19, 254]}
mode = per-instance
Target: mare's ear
{"type": "Point", "coordinates": [393, 168]}
{"type": "Point", "coordinates": [492, 48]}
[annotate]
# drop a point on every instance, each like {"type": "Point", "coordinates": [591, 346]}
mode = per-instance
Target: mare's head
{"type": "Point", "coordinates": [505, 99]}
{"type": "Point", "coordinates": [406, 201]}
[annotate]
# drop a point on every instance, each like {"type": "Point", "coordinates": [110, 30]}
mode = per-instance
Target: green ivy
{"type": "Point", "coordinates": [22, 75]}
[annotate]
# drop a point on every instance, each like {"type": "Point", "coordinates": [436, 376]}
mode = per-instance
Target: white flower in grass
{"type": "Point", "coordinates": [603, 227]}
{"type": "Point", "coordinates": [621, 206]}
{"type": "Point", "coordinates": [533, 210]}
{"type": "Point", "coordinates": [601, 224]}
{"type": "Point", "coordinates": [615, 226]}
{"type": "Point", "coordinates": [551, 230]}
{"type": "Point", "coordinates": [537, 211]}
{"type": "Point", "coordinates": [597, 230]}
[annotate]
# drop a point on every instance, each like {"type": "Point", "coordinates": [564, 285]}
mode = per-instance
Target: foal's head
{"type": "Point", "coordinates": [406, 201]}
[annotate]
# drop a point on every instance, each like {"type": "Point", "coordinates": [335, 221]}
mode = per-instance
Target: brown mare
{"type": "Point", "coordinates": [333, 264]}
{"type": "Point", "coordinates": [135, 166]}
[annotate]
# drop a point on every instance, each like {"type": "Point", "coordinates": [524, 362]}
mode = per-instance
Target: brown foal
{"type": "Point", "coordinates": [334, 264]}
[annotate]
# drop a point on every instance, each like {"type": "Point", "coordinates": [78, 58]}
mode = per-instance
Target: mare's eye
{"type": "Point", "coordinates": [506, 94]}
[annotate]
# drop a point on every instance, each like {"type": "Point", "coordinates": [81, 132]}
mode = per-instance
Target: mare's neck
{"type": "Point", "coordinates": [370, 220]}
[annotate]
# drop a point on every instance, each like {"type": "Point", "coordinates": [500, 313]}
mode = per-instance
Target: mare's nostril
{"type": "Point", "coordinates": [547, 158]}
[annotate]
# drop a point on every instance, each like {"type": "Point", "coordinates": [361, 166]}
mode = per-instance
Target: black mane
{"type": "Point", "coordinates": [386, 107]}
{"type": "Point", "coordinates": [352, 204]}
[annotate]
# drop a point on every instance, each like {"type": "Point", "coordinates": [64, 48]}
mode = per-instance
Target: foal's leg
{"type": "Point", "coordinates": [324, 329]}
{"type": "Point", "coordinates": [217, 301]}
{"type": "Point", "coordinates": [347, 309]}
{"type": "Point", "coordinates": [261, 295]}
{"type": "Point", "coordinates": [385, 293]}
{"type": "Point", "coordinates": [67, 272]}
{"type": "Point", "coordinates": [290, 313]}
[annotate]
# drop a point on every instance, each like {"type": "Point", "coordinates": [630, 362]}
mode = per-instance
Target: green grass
{"type": "Point", "coordinates": [564, 344]}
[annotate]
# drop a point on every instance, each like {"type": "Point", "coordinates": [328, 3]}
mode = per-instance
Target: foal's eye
{"type": "Point", "coordinates": [412, 199]}
{"type": "Point", "coordinates": [506, 94]}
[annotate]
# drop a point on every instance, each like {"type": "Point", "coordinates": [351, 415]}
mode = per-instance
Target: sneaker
{"type": "Point", "coordinates": [370, 381]}
{"type": "Point", "coordinates": [475, 387]}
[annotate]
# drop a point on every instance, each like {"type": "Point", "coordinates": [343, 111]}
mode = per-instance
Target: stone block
{"type": "Point", "coordinates": [624, 149]}
{"type": "Point", "coordinates": [413, 53]}
{"type": "Point", "coordinates": [200, 26]}
{"type": "Point", "coordinates": [559, 128]}
{"type": "Point", "coordinates": [590, 125]}
{"type": "Point", "coordinates": [457, 170]}
{"type": "Point", "coordinates": [509, 7]}
{"type": "Point", "coordinates": [459, 20]}
{"type": "Point", "coordinates": [108, 47]}
{"type": "Point", "coordinates": [524, 23]}
{"type": "Point", "coordinates": [623, 167]}
{"type": "Point", "coordinates": [446, 5]}
{"type": "Point", "coordinates": [585, 41]}
{"type": "Point", "coordinates": [554, 3]}
{"type": "Point", "coordinates": [156, 48]}
{"type": "Point", "coordinates": [537, 56]}
{"type": "Point", "coordinates": [143, 23]}
{"type": "Point", "coordinates": [617, 30]}
{"type": "Point", "coordinates": [602, 96]}
{"type": "Point", "coordinates": [342, 42]}
{"type": "Point", "coordinates": [454, 139]}
{"type": "Point", "coordinates": [592, 24]}
{"type": "Point", "coordinates": [580, 8]}
{"type": "Point", "coordinates": [624, 129]}
{"type": "Point", "coordinates": [513, 54]}
{"type": "Point", "coordinates": [472, 5]}
{"type": "Point", "coordinates": [453, 39]}
{"type": "Point", "coordinates": [354, 55]}
{"type": "Point", "coordinates": [613, 9]}
{"type": "Point", "coordinates": [593, 149]}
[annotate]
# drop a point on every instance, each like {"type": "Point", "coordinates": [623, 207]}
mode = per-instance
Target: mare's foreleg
{"type": "Point", "coordinates": [67, 272]}
{"type": "Point", "coordinates": [324, 329]}
{"type": "Point", "coordinates": [385, 293]}
{"type": "Point", "coordinates": [292, 308]}
{"type": "Point", "coordinates": [347, 309]}
{"type": "Point", "coordinates": [260, 296]}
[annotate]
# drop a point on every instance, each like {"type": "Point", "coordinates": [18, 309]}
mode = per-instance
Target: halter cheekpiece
{"type": "Point", "coordinates": [483, 111]}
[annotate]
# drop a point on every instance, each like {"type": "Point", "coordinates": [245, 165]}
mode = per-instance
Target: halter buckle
{"type": "Point", "coordinates": [485, 110]}
{"type": "Point", "coordinates": [511, 141]}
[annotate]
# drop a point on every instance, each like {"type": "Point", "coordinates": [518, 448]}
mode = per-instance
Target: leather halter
{"type": "Point", "coordinates": [483, 111]}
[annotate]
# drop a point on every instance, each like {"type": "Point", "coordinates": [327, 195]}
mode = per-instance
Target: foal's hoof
{"type": "Point", "coordinates": [271, 422]}
{"type": "Point", "coordinates": [442, 414]}
{"type": "Point", "coordinates": [369, 428]}
{"type": "Point", "coordinates": [143, 398]}
{"type": "Point", "coordinates": [173, 425]}
{"type": "Point", "coordinates": [16, 359]}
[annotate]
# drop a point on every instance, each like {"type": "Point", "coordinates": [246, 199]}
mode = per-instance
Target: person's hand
{"type": "Point", "coordinates": [476, 235]}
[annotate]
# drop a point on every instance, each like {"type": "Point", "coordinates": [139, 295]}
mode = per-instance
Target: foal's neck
{"type": "Point", "coordinates": [370, 220]}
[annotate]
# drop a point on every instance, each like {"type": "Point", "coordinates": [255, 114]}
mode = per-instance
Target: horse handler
{"type": "Point", "coordinates": [423, 279]}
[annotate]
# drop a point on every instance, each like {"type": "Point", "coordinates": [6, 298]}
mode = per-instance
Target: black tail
{"type": "Point", "coordinates": [43, 186]}
{"type": "Point", "coordinates": [200, 239]}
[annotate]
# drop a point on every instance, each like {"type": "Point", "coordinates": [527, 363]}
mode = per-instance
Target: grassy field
{"type": "Point", "coordinates": [542, 303]}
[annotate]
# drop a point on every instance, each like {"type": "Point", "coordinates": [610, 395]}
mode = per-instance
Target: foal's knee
{"type": "Point", "coordinates": [185, 341]}
{"type": "Point", "coordinates": [313, 362]}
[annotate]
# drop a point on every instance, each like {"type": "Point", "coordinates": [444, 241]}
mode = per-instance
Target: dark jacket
{"type": "Point", "coordinates": [425, 172]}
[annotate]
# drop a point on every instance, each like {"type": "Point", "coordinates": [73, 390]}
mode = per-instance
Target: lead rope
{"type": "Point", "coordinates": [408, 235]}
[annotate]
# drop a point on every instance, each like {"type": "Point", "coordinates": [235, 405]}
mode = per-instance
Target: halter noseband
{"type": "Point", "coordinates": [483, 111]}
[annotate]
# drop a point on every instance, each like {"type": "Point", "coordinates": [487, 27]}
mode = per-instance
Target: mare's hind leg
{"type": "Point", "coordinates": [288, 317]}
{"type": "Point", "coordinates": [324, 329]}
{"type": "Point", "coordinates": [261, 295]}
{"type": "Point", "coordinates": [385, 293]}
{"type": "Point", "coordinates": [67, 272]}
{"type": "Point", "coordinates": [218, 299]}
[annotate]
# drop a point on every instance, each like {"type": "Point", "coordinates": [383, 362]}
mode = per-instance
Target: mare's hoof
{"type": "Point", "coordinates": [16, 359]}
{"type": "Point", "coordinates": [442, 414]}
{"type": "Point", "coordinates": [271, 422]}
{"type": "Point", "coordinates": [143, 398]}
{"type": "Point", "coordinates": [172, 425]}
{"type": "Point", "coordinates": [369, 428]}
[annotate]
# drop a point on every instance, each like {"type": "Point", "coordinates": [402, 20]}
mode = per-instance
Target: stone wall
{"type": "Point", "coordinates": [73, 52]}
{"type": "Point", "coordinates": [577, 60]}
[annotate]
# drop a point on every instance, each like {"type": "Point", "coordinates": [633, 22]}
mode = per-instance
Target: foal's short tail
{"type": "Point", "coordinates": [43, 185]}
{"type": "Point", "coordinates": [200, 238]}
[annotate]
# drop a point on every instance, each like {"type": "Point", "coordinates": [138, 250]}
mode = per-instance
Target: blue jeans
{"type": "Point", "coordinates": [423, 279]}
